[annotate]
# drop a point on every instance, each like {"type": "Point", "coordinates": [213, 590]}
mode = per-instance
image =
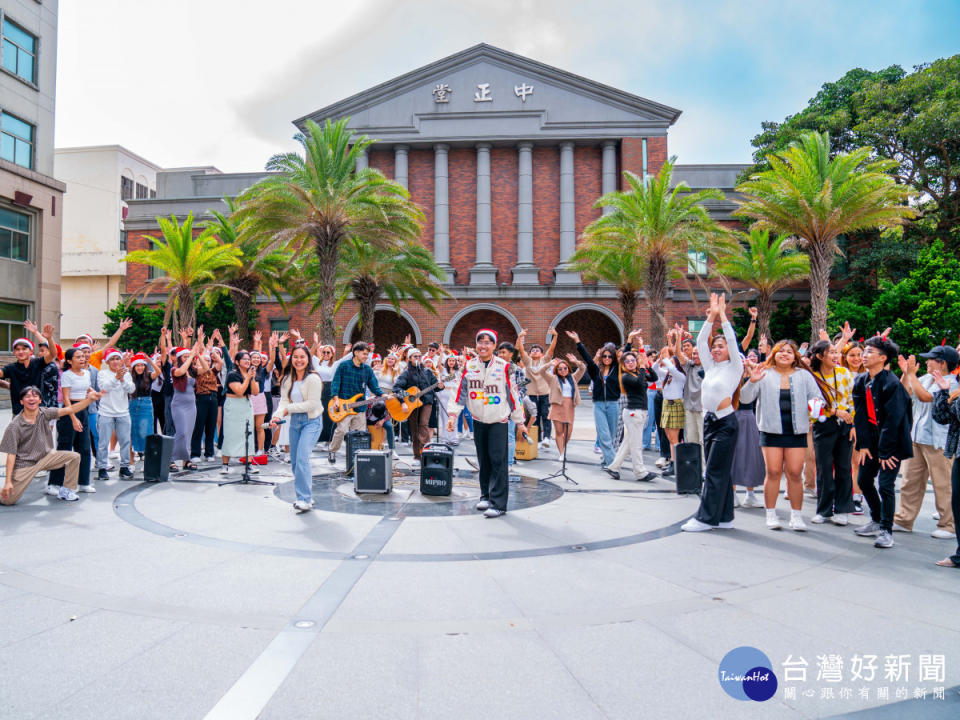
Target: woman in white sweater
{"type": "Point", "coordinates": [301, 397]}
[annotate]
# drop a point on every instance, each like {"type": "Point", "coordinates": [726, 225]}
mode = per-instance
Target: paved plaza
{"type": "Point", "coordinates": [189, 600]}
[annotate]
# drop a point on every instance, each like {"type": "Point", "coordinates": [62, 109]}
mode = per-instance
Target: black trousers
{"type": "Point", "coordinates": [883, 503]}
{"type": "Point", "coordinates": [491, 442]}
{"type": "Point", "coordinates": [543, 410]}
{"type": "Point", "coordinates": [205, 426]}
{"type": "Point", "coordinates": [326, 432]}
{"type": "Point", "coordinates": [168, 427]}
{"type": "Point", "coordinates": [955, 504]}
{"type": "Point", "coordinates": [158, 415]}
{"type": "Point", "coordinates": [719, 443]}
{"type": "Point", "coordinates": [657, 409]}
{"type": "Point", "coordinates": [70, 439]}
{"type": "Point", "coordinates": [833, 448]}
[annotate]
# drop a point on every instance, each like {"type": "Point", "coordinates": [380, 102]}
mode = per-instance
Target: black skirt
{"type": "Point", "coordinates": [780, 440]}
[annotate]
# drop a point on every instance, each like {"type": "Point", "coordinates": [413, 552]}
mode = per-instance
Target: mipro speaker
{"type": "Point", "coordinates": [689, 468]}
{"type": "Point", "coordinates": [373, 471]}
{"type": "Point", "coordinates": [156, 457]}
{"type": "Point", "coordinates": [436, 469]}
{"type": "Point", "coordinates": [356, 440]}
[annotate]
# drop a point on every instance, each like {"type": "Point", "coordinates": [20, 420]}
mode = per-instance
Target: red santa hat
{"type": "Point", "coordinates": [181, 351]}
{"type": "Point", "coordinates": [81, 336]}
{"type": "Point", "coordinates": [111, 353]}
{"type": "Point", "coordinates": [23, 341]}
{"type": "Point", "coordinates": [487, 331]}
{"type": "Point", "coordinates": [138, 359]}
{"type": "Point", "coordinates": [81, 346]}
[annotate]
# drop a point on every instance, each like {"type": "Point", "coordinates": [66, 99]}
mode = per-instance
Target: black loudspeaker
{"type": "Point", "coordinates": [373, 471]}
{"type": "Point", "coordinates": [688, 468]}
{"type": "Point", "coordinates": [156, 457]}
{"type": "Point", "coordinates": [436, 469]}
{"type": "Point", "coordinates": [356, 440]}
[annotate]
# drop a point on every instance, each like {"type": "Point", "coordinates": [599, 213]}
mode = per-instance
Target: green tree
{"type": "Point", "coordinates": [659, 225]}
{"type": "Point", "coordinates": [373, 273]}
{"type": "Point", "coordinates": [262, 268]}
{"type": "Point", "coordinates": [811, 196]}
{"type": "Point", "coordinates": [190, 265]}
{"type": "Point", "coordinates": [317, 200]}
{"type": "Point", "coordinates": [606, 261]}
{"type": "Point", "coordinates": [764, 265]}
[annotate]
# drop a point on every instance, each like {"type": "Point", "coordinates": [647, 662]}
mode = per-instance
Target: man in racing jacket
{"type": "Point", "coordinates": [487, 389]}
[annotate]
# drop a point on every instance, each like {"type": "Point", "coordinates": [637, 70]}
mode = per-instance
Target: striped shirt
{"type": "Point", "coordinates": [29, 441]}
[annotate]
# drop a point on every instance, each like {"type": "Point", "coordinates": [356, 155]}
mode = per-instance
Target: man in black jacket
{"type": "Point", "coordinates": [416, 375]}
{"type": "Point", "coordinates": [882, 419]}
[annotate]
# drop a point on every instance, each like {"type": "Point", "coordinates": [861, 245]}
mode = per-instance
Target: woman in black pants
{"type": "Point", "coordinates": [946, 409]}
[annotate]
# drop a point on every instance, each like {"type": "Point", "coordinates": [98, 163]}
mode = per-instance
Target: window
{"type": "Point", "coordinates": [19, 51]}
{"type": "Point", "coordinates": [153, 194]}
{"type": "Point", "coordinates": [11, 324]}
{"type": "Point", "coordinates": [123, 240]}
{"type": "Point", "coordinates": [695, 325]}
{"type": "Point", "coordinates": [280, 325]}
{"type": "Point", "coordinates": [153, 272]}
{"type": "Point", "coordinates": [16, 140]}
{"type": "Point", "coordinates": [126, 188]}
{"type": "Point", "coordinates": [14, 235]}
{"type": "Point", "coordinates": [141, 191]}
{"type": "Point", "coordinates": [696, 263]}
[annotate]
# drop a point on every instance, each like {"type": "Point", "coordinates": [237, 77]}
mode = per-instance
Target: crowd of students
{"type": "Point", "coordinates": [831, 417]}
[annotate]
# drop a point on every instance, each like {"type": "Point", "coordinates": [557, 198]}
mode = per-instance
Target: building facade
{"type": "Point", "coordinates": [31, 200]}
{"type": "Point", "coordinates": [507, 157]}
{"type": "Point", "coordinates": [99, 180]}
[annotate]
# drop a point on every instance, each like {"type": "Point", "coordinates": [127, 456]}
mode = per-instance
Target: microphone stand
{"type": "Point", "coordinates": [245, 479]}
{"type": "Point", "coordinates": [562, 472]}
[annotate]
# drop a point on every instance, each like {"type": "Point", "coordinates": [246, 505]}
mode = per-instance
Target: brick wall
{"type": "Point", "coordinates": [546, 211]}
{"type": "Point", "coordinates": [503, 209]}
{"type": "Point", "coordinates": [420, 185]}
{"type": "Point", "coordinates": [462, 166]}
{"type": "Point", "coordinates": [631, 156]}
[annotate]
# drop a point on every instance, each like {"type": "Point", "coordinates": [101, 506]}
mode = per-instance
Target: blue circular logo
{"type": "Point", "coordinates": [746, 674]}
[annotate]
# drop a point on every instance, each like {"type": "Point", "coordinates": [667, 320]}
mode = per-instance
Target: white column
{"type": "Point", "coordinates": [609, 173]}
{"type": "Point", "coordinates": [484, 272]}
{"type": "Point", "coordinates": [568, 235]}
{"type": "Point", "coordinates": [525, 272]}
{"type": "Point", "coordinates": [363, 160]}
{"type": "Point", "coordinates": [441, 211]}
{"type": "Point", "coordinates": [400, 171]}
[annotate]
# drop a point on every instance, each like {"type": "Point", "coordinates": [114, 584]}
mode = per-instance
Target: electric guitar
{"type": "Point", "coordinates": [410, 396]}
{"type": "Point", "coordinates": [347, 407]}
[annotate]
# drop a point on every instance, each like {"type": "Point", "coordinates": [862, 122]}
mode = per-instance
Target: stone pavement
{"type": "Point", "coordinates": [189, 600]}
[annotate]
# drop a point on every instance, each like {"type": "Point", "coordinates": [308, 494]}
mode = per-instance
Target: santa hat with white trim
{"type": "Point", "coordinates": [181, 351]}
{"type": "Point", "coordinates": [111, 353]}
{"type": "Point", "coordinates": [81, 346]}
{"type": "Point", "coordinates": [138, 359]}
{"type": "Point", "coordinates": [487, 331]}
{"type": "Point", "coordinates": [23, 341]}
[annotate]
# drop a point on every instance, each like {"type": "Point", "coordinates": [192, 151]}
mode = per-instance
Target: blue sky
{"type": "Point", "coordinates": [218, 81]}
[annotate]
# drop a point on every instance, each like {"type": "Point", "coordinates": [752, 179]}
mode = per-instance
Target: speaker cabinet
{"type": "Point", "coordinates": [436, 469]}
{"type": "Point", "coordinates": [156, 457]}
{"type": "Point", "coordinates": [689, 468]}
{"type": "Point", "coordinates": [373, 471]}
{"type": "Point", "coordinates": [355, 440]}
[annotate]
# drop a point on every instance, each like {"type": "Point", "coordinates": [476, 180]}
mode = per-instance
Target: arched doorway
{"type": "Point", "coordinates": [462, 328]}
{"type": "Point", "coordinates": [389, 328]}
{"type": "Point", "coordinates": [594, 324]}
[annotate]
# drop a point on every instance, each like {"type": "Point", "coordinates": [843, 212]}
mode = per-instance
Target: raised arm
{"type": "Point", "coordinates": [548, 355]}
{"type": "Point", "coordinates": [751, 331]}
{"type": "Point", "coordinates": [125, 324]}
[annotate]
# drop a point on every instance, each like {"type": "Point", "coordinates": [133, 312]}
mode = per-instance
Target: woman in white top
{"type": "Point", "coordinates": [301, 393]}
{"type": "Point", "coordinates": [723, 368]}
{"type": "Point", "coordinates": [672, 380]}
{"type": "Point", "coordinates": [325, 365]}
{"type": "Point", "coordinates": [73, 431]}
{"type": "Point", "coordinates": [449, 374]}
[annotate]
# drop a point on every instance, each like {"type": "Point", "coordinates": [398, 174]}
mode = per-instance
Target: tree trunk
{"type": "Point", "coordinates": [243, 298]}
{"type": "Point", "coordinates": [821, 262]}
{"type": "Point", "coordinates": [628, 308]}
{"type": "Point", "coordinates": [327, 248]}
{"type": "Point", "coordinates": [657, 295]}
{"type": "Point", "coordinates": [186, 310]}
{"type": "Point", "coordinates": [367, 294]}
{"type": "Point", "coordinates": [764, 311]}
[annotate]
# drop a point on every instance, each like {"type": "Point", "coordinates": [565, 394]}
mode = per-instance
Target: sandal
{"type": "Point", "coordinates": [174, 468]}
{"type": "Point", "coordinates": [189, 466]}
{"type": "Point", "coordinates": [947, 562]}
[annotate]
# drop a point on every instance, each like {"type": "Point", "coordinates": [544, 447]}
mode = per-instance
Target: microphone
{"type": "Point", "coordinates": [281, 421]}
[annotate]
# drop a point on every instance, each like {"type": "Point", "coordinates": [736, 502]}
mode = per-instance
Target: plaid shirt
{"type": "Point", "coordinates": [350, 380]}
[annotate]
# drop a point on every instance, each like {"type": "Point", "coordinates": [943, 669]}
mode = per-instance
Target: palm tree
{"type": "Point", "coordinates": [371, 273]}
{"type": "Point", "coordinates": [660, 225]}
{"type": "Point", "coordinates": [816, 198]}
{"type": "Point", "coordinates": [764, 265]}
{"type": "Point", "coordinates": [626, 270]}
{"type": "Point", "coordinates": [261, 268]}
{"type": "Point", "coordinates": [319, 199]}
{"type": "Point", "coordinates": [190, 265]}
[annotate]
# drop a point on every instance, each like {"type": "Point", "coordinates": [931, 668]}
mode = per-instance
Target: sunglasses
{"type": "Point", "coordinates": [607, 357]}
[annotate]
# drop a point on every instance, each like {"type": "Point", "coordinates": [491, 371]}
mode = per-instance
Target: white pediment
{"type": "Point", "coordinates": [488, 93]}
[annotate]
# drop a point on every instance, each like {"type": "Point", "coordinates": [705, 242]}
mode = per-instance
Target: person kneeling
{"type": "Point", "coordinates": [28, 442]}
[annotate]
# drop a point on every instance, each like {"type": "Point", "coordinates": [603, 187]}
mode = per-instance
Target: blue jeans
{"type": "Point", "coordinates": [93, 419]}
{"type": "Point", "coordinates": [141, 417]}
{"type": "Point", "coordinates": [605, 414]}
{"type": "Point", "coordinates": [106, 426]}
{"type": "Point", "coordinates": [388, 426]}
{"type": "Point", "coordinates": [511, 442]}
{"type": "Point", "coordinates": [465, 418]}
{"type": "Point", "coordinates": [650, 429]}
{"type": "Point", "coordinates": [304, 434]}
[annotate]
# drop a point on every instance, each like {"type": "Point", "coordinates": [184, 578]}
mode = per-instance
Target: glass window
{"type": "Point", "coordinates": [14, 235]}
{"type": "Point", "coordinates": [696, 263]}
{"type": "Point", "coordinates": [123, 240]}
{"type": "Point", "coordinates": [126, 188]}
{"type": "Point", "coordinates": [19, 51]}
{"type": "Point", "coordinates": [11, 324]}
{"type": "Point", "coordinates": [153, 194]}
{"type": "Point", "coordinates": [695, 325]}
{"type": "Point", "coordinates": [279, 325]}
{"type": "Point", "coordinates": [141, 191]}
{"type": "Point", "coordinates": [16, 140]}
{"type": "Point", "coordinates": [153, 272]}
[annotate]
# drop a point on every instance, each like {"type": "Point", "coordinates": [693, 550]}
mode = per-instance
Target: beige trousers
{"type": "Point", "coordinates": [54, 459]}
{"type": "Point", "coordinates": [351, 422]}
{"type": "Point", "coordinates": [927, 462]}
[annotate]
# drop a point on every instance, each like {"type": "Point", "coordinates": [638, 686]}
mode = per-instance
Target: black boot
{"type": "Point", "coordinates": [667, 470]}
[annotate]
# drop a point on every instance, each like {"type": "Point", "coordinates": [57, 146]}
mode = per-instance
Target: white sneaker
{"type": "Point", "coordinates": [773, 522]}
{"type": "Point", "coordinates": [942, 534]}
{"type": "Point", "coordinates": [303, 505]}
{"type": "Point", "coordinates": [394, 455]}
{"type": "Point", "coordinates": [217, 452]}
{"type": "Point", "coordinates": [86, 488]}
{"type": "Point", "coordinates": [810, 493]}
{"type": "Point", "coordinates": [52, 490]}
{"type": "Point", "coordinates": [840, 519]}
{"type": "Point", "coordinates": [195, 459]}
{"type": "Point", "coordinates": [67, 494]}
{"type": "Point", "coordinates": [482, 505]}
{"type": "Point", "coordinates": [694, 525]}
{"type": "Point", "coordinates": [752, 501]}
{"type": "Point", "coordinates": [726, 525]}
{"type": "Point", "coordinates": [900, 528]}
{"type": "Point", "coordinates": [797, 523]}
{"type": "Point", "coordinates": [660, 462]}
{"type": "Point", "coordinates": [225, 470]}
{"type": "Point", "coordinates": [818, 519]}
{"type": "Point", "coordinates": [736, 499]}
{"type": "Point", "coordinates": [935, 515]}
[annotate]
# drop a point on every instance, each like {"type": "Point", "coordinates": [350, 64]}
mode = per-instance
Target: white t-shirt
{"type": "Point", "coordinates": [324, 371]}
{"type": "Point", "coordinates": [566, 389]}
{"type": "Point", "coordinates": [77, 384]}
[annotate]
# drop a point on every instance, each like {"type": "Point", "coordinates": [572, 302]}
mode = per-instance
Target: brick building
{"type": "Point", "coordinates": [506, 156]}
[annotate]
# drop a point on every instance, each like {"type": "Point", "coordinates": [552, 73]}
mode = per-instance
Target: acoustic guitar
{"type": "Point", "coordinates": [348, 407]}
{"type": "Point", "coordinates": [410, 396]}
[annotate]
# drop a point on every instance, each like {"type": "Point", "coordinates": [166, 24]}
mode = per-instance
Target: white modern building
{"type": "Point", "coordinates": [31, 200]}
{"type": "Point", "coordinates": [99, 179]}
